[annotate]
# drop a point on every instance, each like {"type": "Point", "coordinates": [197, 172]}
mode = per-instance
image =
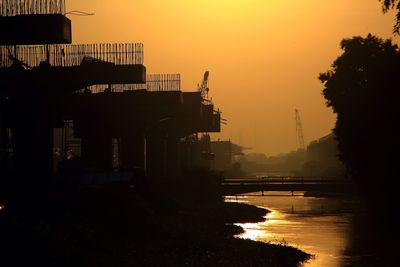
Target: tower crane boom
{"type": "Point", "coordinates": [299, 130]}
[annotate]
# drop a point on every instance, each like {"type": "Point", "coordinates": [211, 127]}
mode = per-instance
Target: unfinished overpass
{"type": "Point", "coordinates": [45, 81]}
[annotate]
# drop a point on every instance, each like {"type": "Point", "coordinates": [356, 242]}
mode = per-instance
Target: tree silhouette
{"type": "Point", "coordinates": [393, 4]}
{"type": "Point", "coordinates": [362, 87]}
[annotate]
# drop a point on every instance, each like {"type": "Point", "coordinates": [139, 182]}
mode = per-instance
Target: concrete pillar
{"type": "Point", "coordinates": [132, 152]}
{"type": "Point", "coordinates": [156, 155]}
{"type": "Point", "coordinates": [97, 152]}
{"type": "Point", "coordinates": [33, 155]}
{"type": "Point", "coordinates": [3, 150]}
{"type": "Point", "coordinates": [3, 134]}
{"type": "Point", "coordinates": [173, 157]}
{"type": "Point", "coordinates": [31, 120]}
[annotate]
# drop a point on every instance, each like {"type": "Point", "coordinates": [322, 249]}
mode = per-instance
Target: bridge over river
{"type": "Point", "coordinates": [291, 184]}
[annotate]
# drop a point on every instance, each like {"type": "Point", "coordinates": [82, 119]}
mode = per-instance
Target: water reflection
{"type": "Point", "coordinates": [319, 226]}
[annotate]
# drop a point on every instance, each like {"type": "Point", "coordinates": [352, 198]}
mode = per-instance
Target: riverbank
{"type": "Point", "coordinates": [121, 225]}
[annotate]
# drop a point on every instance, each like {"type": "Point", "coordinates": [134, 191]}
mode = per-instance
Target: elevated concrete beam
{"type": "Point", "coordinates": [35, 29]}
{"type": "Point", "coordinates": [71, 78]}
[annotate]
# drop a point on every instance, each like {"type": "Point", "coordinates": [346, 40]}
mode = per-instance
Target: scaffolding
{"type": "Point", "coordinates": [72, 55]}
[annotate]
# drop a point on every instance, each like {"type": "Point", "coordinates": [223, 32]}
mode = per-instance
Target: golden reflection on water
{"type": "Point", "coordinates": [256, 231]}
{"type": "Point", "coordinates": [299, 222]}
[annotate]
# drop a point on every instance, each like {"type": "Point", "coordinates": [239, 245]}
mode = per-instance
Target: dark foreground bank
{"type": "Point", "coordinates": [122, 225]}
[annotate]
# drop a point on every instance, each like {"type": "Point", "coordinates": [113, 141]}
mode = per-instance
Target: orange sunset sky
{"type": "Point", "coordinates": [264, 56]}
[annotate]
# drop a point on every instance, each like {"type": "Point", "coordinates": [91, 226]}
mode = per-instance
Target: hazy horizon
{"type": "Point", "coordinates": [264, 57]}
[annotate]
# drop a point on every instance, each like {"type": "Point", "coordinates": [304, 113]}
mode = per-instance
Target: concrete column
{"type": "Point", "coordinates": [97, 152]}
{"type": "Point", "coordinates": [33, 155]}
{"type": "Point", "coordinates": [173, 157]}
{"type": "Point", "coordinates": [132, 152]}
{"type": "Point", "coordinates": [156, 155]}
{"type": "Point", "coordinates": [3, 135]}
{"type": "Point", "coordinates": [31, 119]}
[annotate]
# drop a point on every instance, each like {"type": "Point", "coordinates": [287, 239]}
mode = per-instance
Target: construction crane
{"type": "Point", "coordinates": [203, 88]}
{"type": "Point", "coordinates": [299, 130]}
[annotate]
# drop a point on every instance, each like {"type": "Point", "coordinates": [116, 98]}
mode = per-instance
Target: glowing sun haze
{"type": "Point", "coordinates": [264, 56]}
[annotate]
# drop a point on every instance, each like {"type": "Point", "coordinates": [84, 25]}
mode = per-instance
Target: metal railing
{"type": "Point", "coordinates": [286, 180]}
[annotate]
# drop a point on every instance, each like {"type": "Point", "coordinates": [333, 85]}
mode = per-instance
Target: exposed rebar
{"type": "Point", "coordinates": [73, 55]}
{"type": "Point", "coordinates": [154, 83]}
{"type": "Point", "coordinates": [31, 7]}
{"type": "Point", "coordinates": [163, 82]}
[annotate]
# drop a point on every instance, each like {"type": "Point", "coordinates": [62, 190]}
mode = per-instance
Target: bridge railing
{"type": "Point", "coordinates": [287, 180]}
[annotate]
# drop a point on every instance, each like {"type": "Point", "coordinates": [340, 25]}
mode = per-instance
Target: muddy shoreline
{"type": "Point", "coordinates": [122, 225]}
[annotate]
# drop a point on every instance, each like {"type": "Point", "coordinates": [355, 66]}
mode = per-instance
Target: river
{"type": "Point", "coordinates": [324, 227]}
